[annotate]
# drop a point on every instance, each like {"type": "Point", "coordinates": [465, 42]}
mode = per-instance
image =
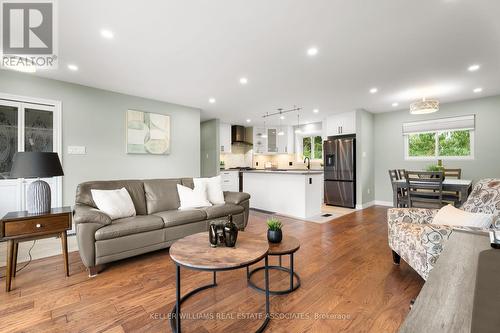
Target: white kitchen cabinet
{"type": "Point", "coordinates": [259, 140]}
{"type": "Point", "coordinates": [341, 124]}
{"type": "Point", "coordinates": [225, 137]}
{"type": "Point", "coordinates": [285, 141]}
{"type": "Point", "coordinates": [230, 180]}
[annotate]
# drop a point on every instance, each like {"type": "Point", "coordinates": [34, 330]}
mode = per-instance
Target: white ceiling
{"type": "Point", "coordinates": [186, 51]}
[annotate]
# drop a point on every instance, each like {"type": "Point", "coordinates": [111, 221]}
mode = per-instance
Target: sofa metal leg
{"type": "Point", "coordinates": [396, 259]}
{"type": "Point", "coordinates": [93, 271]}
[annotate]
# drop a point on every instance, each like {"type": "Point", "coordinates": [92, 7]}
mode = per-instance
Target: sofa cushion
{"type": "Point", "coordinates": [161, 195]}
{"type": "Point", "coordinates": [134, 187]}
{"type": "Point", "coordinates": [178, 217]}
{"type": "Point", "coordinates": [129, 226]}
{"type": "Point", "coordinates": [485, 198]}
{"type": "Point", "coordinates": [216, 211]}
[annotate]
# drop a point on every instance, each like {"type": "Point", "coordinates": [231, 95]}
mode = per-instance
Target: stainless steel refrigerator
{"type": "Point", "coordinates": [339, 154]}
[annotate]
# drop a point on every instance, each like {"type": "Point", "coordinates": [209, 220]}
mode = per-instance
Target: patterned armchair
{"type": "Point", "coordinates": [413, 237]}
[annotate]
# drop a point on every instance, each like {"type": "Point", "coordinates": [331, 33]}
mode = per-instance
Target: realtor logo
{"type": "Point", "coordinates": [28, 35]}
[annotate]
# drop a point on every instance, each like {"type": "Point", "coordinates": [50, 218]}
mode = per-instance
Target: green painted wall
{"type": "Point", "coordinates": [95, 118]}
{"type": "Point", "coordinates": [210, 148]}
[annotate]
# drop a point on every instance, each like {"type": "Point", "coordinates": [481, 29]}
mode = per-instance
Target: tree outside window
{"type": "Point", "coordinates": [440, 144]}
{"type": "Point", "coordinates": [312, 147]}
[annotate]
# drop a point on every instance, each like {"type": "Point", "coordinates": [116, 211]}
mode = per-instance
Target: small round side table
{"type": "Point", "coordinates": [288, 246]}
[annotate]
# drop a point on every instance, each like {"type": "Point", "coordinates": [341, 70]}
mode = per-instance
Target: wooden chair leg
{"type": "Point", "coordinates": [396, 259]}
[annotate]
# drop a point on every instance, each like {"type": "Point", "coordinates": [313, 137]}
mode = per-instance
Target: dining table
{"type": "Point", "coordinates": [462, 186]}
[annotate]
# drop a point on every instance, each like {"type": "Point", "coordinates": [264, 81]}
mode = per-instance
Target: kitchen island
{"type": "Point", "coordinates": [295, 193]}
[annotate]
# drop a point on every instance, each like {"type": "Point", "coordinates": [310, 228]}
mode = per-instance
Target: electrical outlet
{"type": "Point", "coordinates": [77, 150]}
{"type": "Point", "coordinates": [290, 163]}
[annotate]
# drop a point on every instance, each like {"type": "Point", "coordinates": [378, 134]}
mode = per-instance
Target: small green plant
{"type": "Point", "coordinates": [434, 167]}
{"type": "Point", "coordinates": [274, 224]}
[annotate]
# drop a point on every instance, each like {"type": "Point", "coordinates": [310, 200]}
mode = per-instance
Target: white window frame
{"type": "Point", "coordinates": [436, 153]}
{"type": "Point", "coordinates": [300, 152]}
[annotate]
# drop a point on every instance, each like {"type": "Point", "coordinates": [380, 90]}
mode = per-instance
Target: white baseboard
{"type": "Point", "coordinates": [43, 248]}
{"type": "Point", "coordinates": [365, 205]}
{"type": "Point", "coordinates": [383, 203]}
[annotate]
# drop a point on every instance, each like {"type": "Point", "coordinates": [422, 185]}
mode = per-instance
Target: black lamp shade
{"type": "Point", "coordinates": [36, 165]}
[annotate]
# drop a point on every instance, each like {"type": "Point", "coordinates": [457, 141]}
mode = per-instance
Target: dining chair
{"type": "Point", "coordinates": [402, 198]}
{"type": "Point", "coordinates": [450, 196]}
{"type": "Point", "coordinates": [425, 189]}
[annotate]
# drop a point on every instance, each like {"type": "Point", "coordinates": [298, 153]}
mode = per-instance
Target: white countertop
{"type": "Point", "coordinates": [287, 172]}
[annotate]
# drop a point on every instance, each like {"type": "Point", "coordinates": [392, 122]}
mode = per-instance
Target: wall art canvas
{"type": "Point", "coordinates": [148, 133]}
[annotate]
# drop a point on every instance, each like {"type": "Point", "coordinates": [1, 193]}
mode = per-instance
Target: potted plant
{"type": "Point", "coordinates": [274, 233]}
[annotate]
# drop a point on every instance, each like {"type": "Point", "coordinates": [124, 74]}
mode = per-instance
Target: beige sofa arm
{"type": "Point", "coordinates": [235, 198]}
{"type": "Point", "coordinates": [88, 214]}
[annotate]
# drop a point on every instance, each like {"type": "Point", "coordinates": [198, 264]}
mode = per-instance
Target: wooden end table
{"type": "Point", "coordinates": [195, 252]}
{"type": "Point", "coordinates": [288, 246]}
{"type": "Point", "coordinates": [17, 227]}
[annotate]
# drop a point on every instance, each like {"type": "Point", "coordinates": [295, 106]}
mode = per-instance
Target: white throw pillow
{"type": "Point", "coordinates": [192, 198]}
{"type": "Point", "coordinates": [213, 187]}
{"type": "Point", "coordinates": [449, 215]}
{"type": "Point", "coordinates": [115, 203]}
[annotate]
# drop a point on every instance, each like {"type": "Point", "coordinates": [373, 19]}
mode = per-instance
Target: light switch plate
{"type": "Point", "coordinates": [77, 150]}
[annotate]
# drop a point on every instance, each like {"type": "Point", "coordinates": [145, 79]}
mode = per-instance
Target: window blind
{"type": "Point", "coordinates": [444, 124]}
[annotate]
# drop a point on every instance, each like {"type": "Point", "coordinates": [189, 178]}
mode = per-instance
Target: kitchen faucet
{"type": "Point", "coordinates": [308, 162]}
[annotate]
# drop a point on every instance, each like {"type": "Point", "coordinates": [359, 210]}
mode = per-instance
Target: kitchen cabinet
{"type": "Point", "coordinates": [341, 124]}
{"type": "Point", "coordinates": [285, 141]}
{"type": "Point", "coordinates": [259, 140]}
{"type": "Point", "coordinates": [225, 137]}
{"type": "Point", "coordinates": [230, 180]}
{"type": "Point", "coordinates": [267, 140]}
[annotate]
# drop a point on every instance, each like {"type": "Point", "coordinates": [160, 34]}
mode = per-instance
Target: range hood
{"type": "Point", "coordinates": [241, 135]}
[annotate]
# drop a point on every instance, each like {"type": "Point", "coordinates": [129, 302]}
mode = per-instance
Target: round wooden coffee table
{"type": "Point", "coordinates": [195, 252]}
{"type": "Point", "coordinates": [289, 245]}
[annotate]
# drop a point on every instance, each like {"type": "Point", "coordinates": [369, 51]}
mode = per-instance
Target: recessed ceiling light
{"type": "Point", "coordinates": [395, 104]}
{"type": "Point", "coordinates": [282, 117]}
{"type": "Point", "coordinates": [315, 110]}
{"type": "Point", "coordinates": [249, 120]}
{"type": "Point", "coordinates": [312, 51]}
{"type": "Point", "coordinates": [473, 68]}
{"type": "Point", "coordinates": [478, 90]}
{"type": "Point", "coordinates": [243, 80]}
{"type": "Point", "coordinates": [73, 67]}
{"type": "Point", "coordinates": [373, 90]}
{"type": "Point", "coordinates": [108, 34]}
{"type": "Point", "coordinates": [211, 100]}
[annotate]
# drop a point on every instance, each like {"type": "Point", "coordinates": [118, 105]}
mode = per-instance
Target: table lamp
{"type": "Point", "coordinates": [37, 165]}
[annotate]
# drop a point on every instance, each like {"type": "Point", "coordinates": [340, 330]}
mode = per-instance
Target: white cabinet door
{"type": "Point", "coordinates": [285, 141]}
{"type": "Point", "coordinates": [225, 138]}
{"type": "Point", "coordinates": [348, 123]}
{"type": "Point", "coordinates": [230, 180]}
{"type": "Point", "coordinates": [341, 124]}
{"type": "Point", "coordinates": [259, 140]}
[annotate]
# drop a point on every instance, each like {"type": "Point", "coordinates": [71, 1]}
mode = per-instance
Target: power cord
{"type": "Point", "coordinates": [27, 263]}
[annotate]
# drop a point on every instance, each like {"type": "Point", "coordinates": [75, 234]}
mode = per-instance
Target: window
{"type": "Point", "coordinates": [438, 140]}
{"type": "Point", "coordinates": [312, 147]}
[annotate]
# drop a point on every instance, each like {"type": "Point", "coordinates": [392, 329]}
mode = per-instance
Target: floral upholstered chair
{"type": "Point", "coordinates": [413, 237]}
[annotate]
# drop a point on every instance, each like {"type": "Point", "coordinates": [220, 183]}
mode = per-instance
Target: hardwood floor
{"type": "Point", "coordinates": [348, 281]}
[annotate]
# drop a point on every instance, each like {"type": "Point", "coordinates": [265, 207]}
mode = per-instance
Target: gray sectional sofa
{"type": "Point", "coordinates": [158, 222]}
